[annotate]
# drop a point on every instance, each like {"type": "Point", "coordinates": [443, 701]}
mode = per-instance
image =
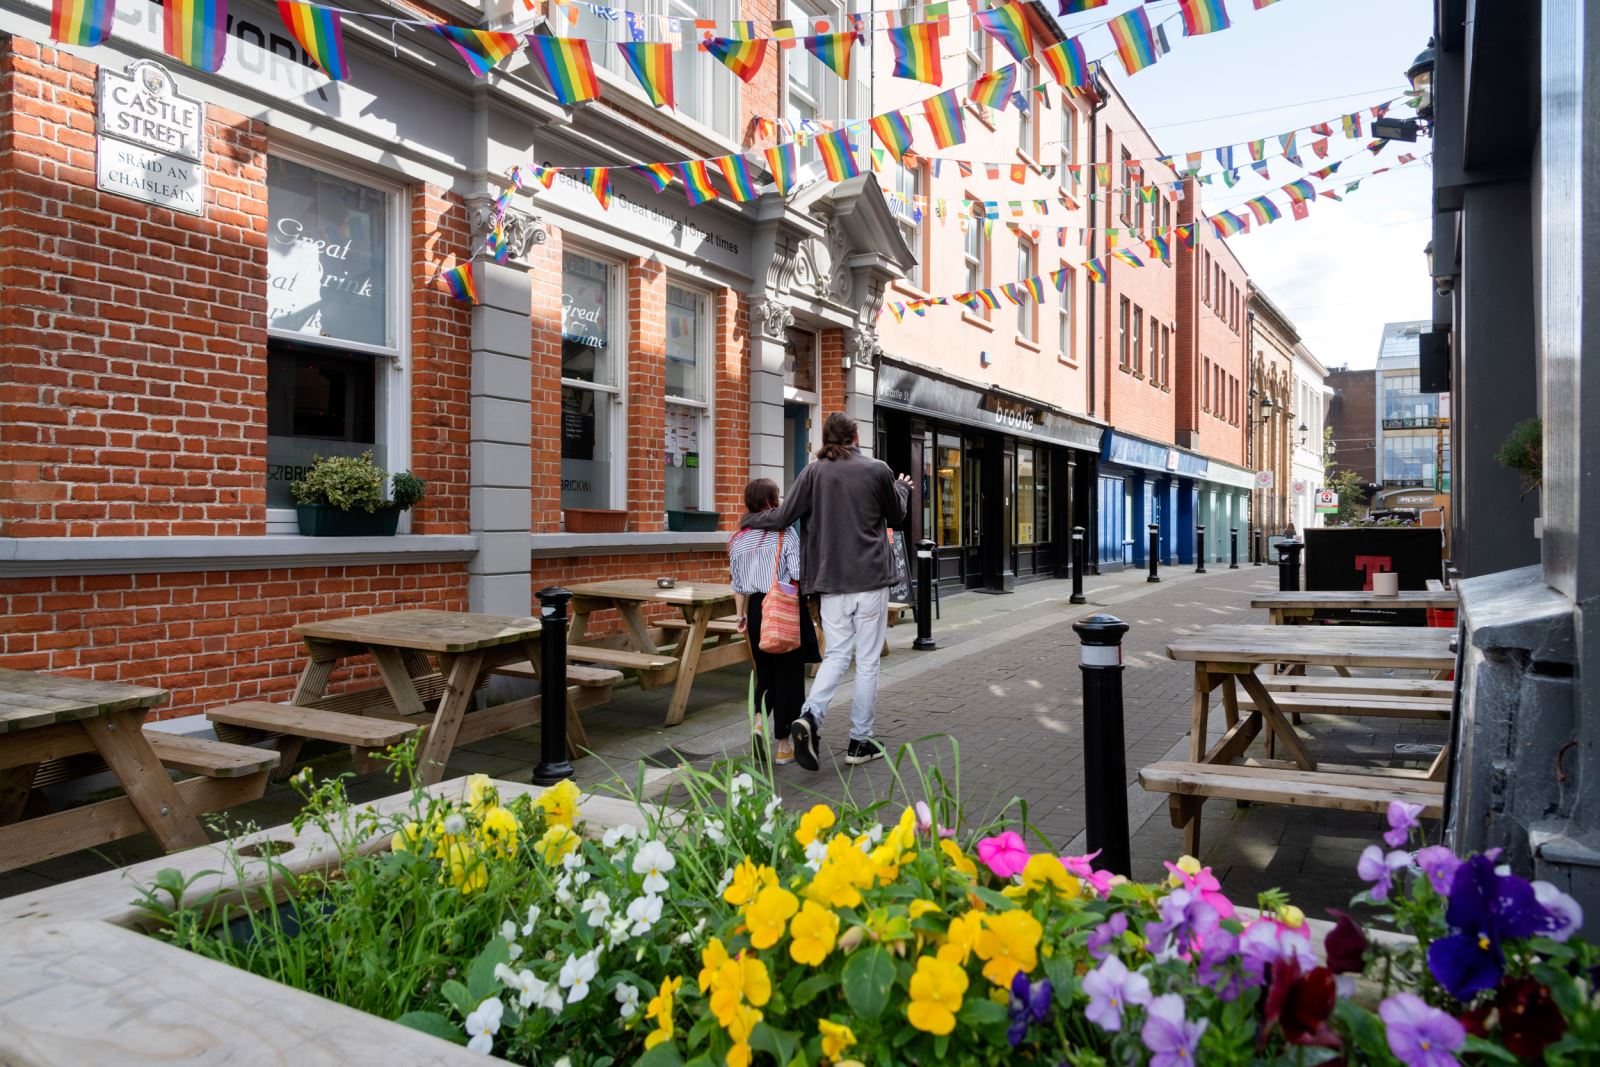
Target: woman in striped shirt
{"type": "Point", "coordinates": [753, 557]}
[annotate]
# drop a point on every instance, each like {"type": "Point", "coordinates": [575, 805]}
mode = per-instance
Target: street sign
{"type": "Point", "coordinates": [1264, 479]}
{"type": "Point", "coordinates": [1327, 501]}
{"type": "Point", "coordinates": [1300, 487]}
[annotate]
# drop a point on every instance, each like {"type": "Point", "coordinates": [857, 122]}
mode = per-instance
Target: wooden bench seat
{"type": "Point", "coordinates": [618, 657]}
{"type": "Point", "coordinates": [714, 628]}
{"type": "Point", "coordinates": [896, 609]}
{"type": "Point", "coordinates": [358, 731]}
{"type": "Point", "coordinates": [1365, 687]}
{"type": "Point", "coordinates": [1377, 707]}
{"type": "Point", "coordinates": [577, 675]}
{"type": "Point", "coordinates": [587, 687]}
{"type": "Point", "coordinates": [212, 759]}
{"type": "Point", "coordinates": [1291, 786]}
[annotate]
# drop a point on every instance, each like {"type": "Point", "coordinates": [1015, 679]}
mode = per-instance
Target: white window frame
{"type": "Point", "coordinates": [908, 181]}
{"type": "Point", "coordinates": [832, 99]}
{"type": "Point", "coordinates": [1069, 317]}
{"type": "Point", "coordinates": [1026, 122]}
{"type": "Point", "coordinates": [616, 328]}
{"type": "Point", "coordinates": [1027, 310]}
{"type": "Point", "coordinates": [705, 357]}
{"type": "Point", "coordinates": [975, 263]}
{"type": "Point", "coordinates": [1069, 133]}
{"type": "Point", "coordinates": [722, 93]}
{"type": "Point", "coordinates": [393, 392]}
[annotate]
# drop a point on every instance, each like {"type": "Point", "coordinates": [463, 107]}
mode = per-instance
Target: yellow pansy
{"type": "Point", "coordinates": [885, 860]}
{"type": "Point", "coordinates": [481, 792]}
{"type": "Point", "coordinates": [740, 1027]}
{"type": "Point", "coordinates": [960, 938]}
{"type": "Point", "coordinates": [845, 871]}
{"type": "Point", "coordinates": [814, 932]}
{"type": "Point", "coordinates": [767, 914]}
{"type": "Point", "coordinates": [556, 842]}
{"type": "Point", "coordinates": [1045, 871]}
{"type": "Point", "coordinates": [559, 803]}
{"type": "Point", "coordinates": [904, 833]}
{"type": "Point", "coordinates": [1291, 916]}
{"type": "Point", "coordinates": [1009, 943]}
{"type": "Point", "coordinates": [406, 838]}
{"type": "Point", "coordinates": [714, 955]}
{"type": "Point", "coordinates": [957, 858]}
{"type": "Point", "coordinates": [660, 1010]}
{"type": "Point", "coordinates": [748, 880]}
{"type": "Point", "coordinates": [1188, 865]}
{"type": "Point", "coordinates": [464, 868]}
{"type": "Point", "coordinates": [836, 1037]}
{"type": "Point", "coordinates": [740, 1055]}
{"type": "Point", "coordinates": [813, 822]}
{"type": "Point", "coordinates": [499, 831]}
{"type": "Point", "coordinates": [921, 907]}
{"type": "Point", "coordinates": [936, 991]}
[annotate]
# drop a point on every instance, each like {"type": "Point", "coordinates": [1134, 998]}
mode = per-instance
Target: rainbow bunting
{"type": "Point", "coordinates": [1203, 16]}
{"type": "Point", "coordinates": [740, 181]}
{"type": "Point", "coordinates": [1352, 124]}
{"type": "Point", "coordinates": [1095, 269]}
{"type": "Point", "coordinates": [320, 32]}
{"type": "Point", "coordinates": [460, 282]}
{"type": "Point", "coordinates": [1136, 43]}
{"type": "Point", "coordinates": [832, 50]}
{"type": "Point", "coordinates": [1159, 250]}
{"type": "Point", "coordinates": [659, 175]}
{"type": "Point", "coordinates": [1226, 223]}
{"type": "Point", "coordinates": [1264, 210]}
{"type": "Point", "coordinates": [1078, 7]}
{"type": "Point", "coordinates": [1127, 257]}
{"type": "Point", "coordinates": [1328, 171]}
{"type": "Point", "coordinates": [916, 52]}
{"type": "Point", "coordinates": [744, 58]}
{"type": "Point", "coordinates": [598, 179]}
{"type": "Point", "coordinates": [895, 133]}
{"type": "Point", "coordinates": [196, 32]}
{"type": "Point", "coordinates": [1012, 292]}
{"type": "Point", "coordinates": [83, 22]}
{"type": "Point", "coordinates": [566, 66]}
{"type": "Point", "coordinates": [1059, 278]}
{"type": "Point", "coordinates": [1185, 234]}
{"type": "Point", "coordinates": [1008, 25]}
{"type": "Point", "coordinates": [898, 310]}
{"type": "Point", "coordinates": [944, 118]}
{"type": "Point", "coordinates": [1066, 62]}
{"type": "Point", "coordinates": [481, 49]}
{"type": "Point", "coordinates": [545, 176]}
{"type": "Point", "coordinates": [697, 181]}
{"type": "Point", "coordinates": [987, 298]}
{"type": "Point", "coordinates": [838, 155]}
{"type": "Point", "coordinates": [1264, 3]}
{"type": "Point", "coordinates": [994, 88]}
{"type": "Point", "coordinates": [1290, 151]}
{"type": "Point", "coordinates": [781, 161]}
{"type": "Point", "coordinates": [651, 63]}
{"type": "Point", "coordinates": [1035, 288]}
{"type": "Point", "coordinates": [1300, 190]}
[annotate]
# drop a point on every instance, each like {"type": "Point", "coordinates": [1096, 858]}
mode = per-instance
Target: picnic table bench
{"type": "Point", "coordinates": [1291, 606]}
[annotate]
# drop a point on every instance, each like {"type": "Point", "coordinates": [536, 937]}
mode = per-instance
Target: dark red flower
{"type": "Point", "coordinates": [1529, 1018]}
{"type": "Point", "coordinates": [1300, 1004]}
{"type": "Point", "coordinates": [1345, 945]}
{"type": "Point", "coordinates": [1476, 1021]}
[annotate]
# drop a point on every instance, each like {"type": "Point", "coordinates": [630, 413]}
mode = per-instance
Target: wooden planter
{"type": "Point", "coordinates": [594, 520]}
{"type": "Point", "coordinates": [325, 520]}
{"type": "Point", "coordinates": [692, 521]}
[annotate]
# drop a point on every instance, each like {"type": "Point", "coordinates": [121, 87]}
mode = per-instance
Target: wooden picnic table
{"type": "Point", "coordinates": [1304, 604]}
{"type": "Point", "coordinates": [700, 602]}
{"type": "Point", "coordinates": [1227, 657]}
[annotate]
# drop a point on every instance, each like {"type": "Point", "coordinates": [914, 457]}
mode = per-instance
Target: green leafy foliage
{"type": "Point", "coordinates": [1523, 452]}
{"type": "Point", "coordinates": [355, 483]}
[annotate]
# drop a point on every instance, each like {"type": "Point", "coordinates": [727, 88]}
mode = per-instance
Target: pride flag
{"type": "Point", "coordinates": [196, 32]}
{"type": "Point", "coordinates": [1078, 7]}
{"type": "Point", "coordinates": [82, 22]}
{"type": "Point", "coordinates": [1066, 62]}
{"type": "Point", "coordinates": [566, 66]}
{"type": "Point", "coordinates": [482, 49]}
{"type": "Point", "coordinates": [944, 118]}
{"type": "Point", "coordinates": [1203, 16]}
{"type": "Point", "coordinates": [598, 179]}
{"type": "Point", "coordinates": [838, 155]}
{"type": "Point", "coordinates": [916, 51]}
{"type": "Point", "coordinates": [744, 58]}
{"type": "Point", "coordinates": [320, 32]}
{"type": "Point", "coordinates": [1185, 234]}
{"type": "Point", "coordinates": [895, 133]}
{"type": "Point", "coordinates": [832, 50]}
{"type": "Point", "coordinates": [460, 282]}
{"type": "Point", "coordinates": [987, 298]}
{"type": "Point", "coordinates": [651, 63]}
{"type": "Point", "coordinates": [1300, 190]}
{"type": "Point", "coordinates": [659, 175]}
{"type": "Point", "coordinates": [1035, 288]}
{"type": "Point", "coordinates": [1136, 42]}
{"type": "Point", "coordinates": [740, 181]}
{"type": "Point", "coordinates": [1264, 210]}
{"type": "Point", "coordinates": [1226, 224]}
{"type": "Point", "coordinates": [1159, 250]}
{"type": "Point", "coordinates": [782, 163]}
{"type": "Point", "coordinates": [994, 88]}
{"type": "Point", "coordinates": [697, 181]}
{"type": "Point", "coordinates": [1095, 269]}
{"type": "Point", "coordinates": [1008, 25]}
{"type": "Point", "coordinates": [1127, 257]}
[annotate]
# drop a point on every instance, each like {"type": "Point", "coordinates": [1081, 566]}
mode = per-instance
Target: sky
{"type": "Point", "coordinates": [1352, 266]}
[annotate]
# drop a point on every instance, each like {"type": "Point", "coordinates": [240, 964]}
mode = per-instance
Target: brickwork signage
{"type": "Point", "coordinates": [150, 141]}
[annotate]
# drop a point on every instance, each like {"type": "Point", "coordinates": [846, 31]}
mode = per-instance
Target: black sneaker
{"type": "Point", "coordinates": [864, 751]}
{"type": "Point", "coordinates": [804, 735]}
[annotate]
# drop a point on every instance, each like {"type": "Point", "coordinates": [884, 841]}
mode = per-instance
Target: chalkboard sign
{"type": "Point", "coordinates": [900, 591]}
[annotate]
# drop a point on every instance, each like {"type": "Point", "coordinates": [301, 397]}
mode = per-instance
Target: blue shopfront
{"type": "Point", "coordinates": [1144, 482]}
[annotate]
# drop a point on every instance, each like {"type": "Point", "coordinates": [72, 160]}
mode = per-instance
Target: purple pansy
{"type": "Point", "coordinates": [1485, 908]}
{"type": "Point", "coordinates": [1030, 1003]}
{"type": "Point", "coordinates": [1111, 987]}
{"type": "Point", "coordinates": [1102, 936]}
{"type": "Point", "coordinates": [1378, 867]}
{"type": "Point", "coordinates": [1206, 885]}
{"type": "Point", "coordinates": [1439, 867]}
{"type": "Point", "coordinates": [1419, 1035]}
{"type": "Point", "coordinates": [1565, 913]}
{"type": "Point", "coordinates": [1185, 916]}
{"type": "Point", "coordinates": [1265, 942]}
{"type": "Point", "coordinates": [1213, 963]}
{"type": "Point", "coordinates": [1169, 1035]}
{"type": "Point", "coordinates": [1402, 820]}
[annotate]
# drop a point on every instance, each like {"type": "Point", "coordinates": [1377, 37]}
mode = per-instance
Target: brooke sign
{"type": "Point", "coordinates": [151, 141]}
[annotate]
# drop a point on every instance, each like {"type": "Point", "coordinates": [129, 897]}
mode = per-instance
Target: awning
{"type": "Point", "coordinates": [1136, 452]}
{"type": "Point", "coordinates": [922, 392]}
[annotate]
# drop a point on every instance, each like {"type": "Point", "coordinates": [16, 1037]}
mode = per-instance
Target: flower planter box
{"type": "Point", "coordinates": [594, 520]}
{"type": "Point", "coordinates": [324, 520]}
{"type": "Point", "coordinates": [692, 521]}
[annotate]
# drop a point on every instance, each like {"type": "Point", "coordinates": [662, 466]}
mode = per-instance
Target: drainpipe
{"type": "Point", "coordinates": [1094, 145]}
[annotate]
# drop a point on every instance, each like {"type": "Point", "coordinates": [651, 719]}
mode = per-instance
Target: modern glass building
{"type": "Point", "coordinates": [1411, 426]}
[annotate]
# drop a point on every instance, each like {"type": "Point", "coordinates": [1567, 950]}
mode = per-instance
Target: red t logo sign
{"type": "Point", "coordinates": [1367, 566]}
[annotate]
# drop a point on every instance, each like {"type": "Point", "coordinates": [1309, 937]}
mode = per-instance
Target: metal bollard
{"type": "Point", "coordinates": [1154, 551]}
{"type": "Point", "coordinates": [1258, 549]}
{"type": "Point", "coordinates": [1105, 769]}
{"type": "Point", "coordinates": [553, 763]}
{"type": "Point", "coordinates": [1233, 548]}
{"type": "Point", "coordinates": [1289, 566]}
{"type": "Point", "coordinates": [1079, 561]}
{"type": "Point", "coordinates": [925, 580]}
{"type": "Point", "coordinates": [1199, 549]}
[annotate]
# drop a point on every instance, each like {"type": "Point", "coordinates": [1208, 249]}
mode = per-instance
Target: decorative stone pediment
{"type": "Point", "coordinates": [522, 230]}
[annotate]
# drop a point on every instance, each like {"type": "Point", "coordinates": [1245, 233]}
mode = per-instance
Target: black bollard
{"type": "Point", "coordinates": [1105, 770]}
{"type": "Point", "coordinates": [1080, 559]}
{"type": "Point", "coordinates": [1289, 566]}
{"type": "Point", "coordinates": [1233, 549]}
{"type": "Point", "coordinates": [1258, 549]}
{"type": "Point", "coordinates": [925, 580]}
{"type": "Point", "coordinates": [1154, 551]}
{"type": "Point", "coordinates": [553, 763]}
{"type": "Point", "coordinates": [1199, 549]}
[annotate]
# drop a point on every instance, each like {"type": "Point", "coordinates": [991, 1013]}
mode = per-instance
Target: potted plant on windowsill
{"type": "Point", "coordinates": [342, 496]}
{"type": "Point", "coordinates": [692, 520]}
{"type": "Point", "coordinates": [594, 520]}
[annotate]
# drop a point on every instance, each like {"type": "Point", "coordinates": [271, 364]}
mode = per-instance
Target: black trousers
{"type": "Point", "coordinates": [781, 676]}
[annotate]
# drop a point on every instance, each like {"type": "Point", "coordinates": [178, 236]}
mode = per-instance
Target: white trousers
{"type": "Point", "coordinates": [852, 624]}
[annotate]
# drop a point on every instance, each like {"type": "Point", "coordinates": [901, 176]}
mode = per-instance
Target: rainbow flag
{"type": "Point", "coordinates": [598, 179]}
{"type": "Point", "coordinates": [1078, 7]}
{"type": "Point", "coordinates": [651, 63]}
{"type": "Point", "coordinates": [482, 49]}
{"type": "Point", "coordinates": [1203, 16]}
{"type": "Point", "coordinates": [1066, 62]}
{"type": "Point", "coordinates": [781, 161]}
{"type": "Point", "coordinates": [1127, 257]}
{"type": "Point", "coordinates": [196, 32]}
{"type": "Point", "coordinates": [460, 282]}
{"type": "Point", "coordinates": [545, 176]}
{"type": "Point", "coordinates": [1159, 250]}
{"type": "Point", "coordinates": [697, 181]}
{"type": "Point", "coordinates": [944, 118]}
{"type": "Point", "coordinates": [1300, 190]}
{"type": "Point", "coordinates": [987, 298]}
{"type": "Point", "coordinates": [320, 32]}
{"type": "Point", "coordinates": [740, 181]}
{"type": "Point", "coordinates": [833, 50]}
{"type": "Point", "coordinates": [1264, 210]}
{"type": "Point", "coordinates": [1327, 172]}
{"type": "Point", "coordinates": [1008, 25]}
{"type": "Point", "coordinates": [1096, 269]}
{"type": "Point", "coordinates": [916, 51]}
{"type": "Point", "coordinates": [659, 175]}
{"type": "Point", "coordinates": [994, 88]}
{"type": "Point", "coordinates": [744, 58]}
{"type": "Point", "coordinates": [1185, 234]}
{"type": "Point", "coordinates": [1136, 42]}
{"type": "Point", "coordinates": [1352, 124]}
{"type": "Point", "coordinates": [895, 133]}
{"type": "Point", "coordinates": [838, 155]}
{"type": "Point", "coordinates": [1034, 287]}
{"type": "Point", "coordinates": [82, 22]}
{"type": "Point", "coordinates": [566, 66]}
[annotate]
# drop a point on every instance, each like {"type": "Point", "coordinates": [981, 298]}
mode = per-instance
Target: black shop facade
{"type": "Point", "coordinates": [998, 479]}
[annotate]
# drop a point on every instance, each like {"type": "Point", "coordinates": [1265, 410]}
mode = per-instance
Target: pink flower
{"type": "Point", "coordinates": [1204, 883]}
{"type": "Point", "coordinates": [925, 820]}
{"type": "Point", "coordinates": [1004, 854]}
{"type": "Point", "coordinates": [1079, 867]}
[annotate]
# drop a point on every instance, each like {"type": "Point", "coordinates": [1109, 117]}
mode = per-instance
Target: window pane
{"type": "Point", "coordinates": [326, 256]}
{"type": "Point", "coordinates": [585, 448]}
{"type": "Point", "coordinates": [586, 319]}
{"type": "Point", "coordinates": [320, 402]}
{"type": "Point", "coordinates": [686, 347]}
{"type": "Point", "coordinates": [1041, 481]}
{"type": "Point", "coordinates": [802, 352]}
{"type": "Point", "coordinates": [947, 464]}
{"type": "Point", "coordinates": [1025, 504]}
{"type": "Point", "coordinates": [1025, 271]}
{"type": "Point", "coordinates": [690, 88]}
{"type": "Point", "coordinates": [685, 426]}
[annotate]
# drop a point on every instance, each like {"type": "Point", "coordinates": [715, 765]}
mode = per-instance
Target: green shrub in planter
{"type": "Point", "coordinates": [342, 496]}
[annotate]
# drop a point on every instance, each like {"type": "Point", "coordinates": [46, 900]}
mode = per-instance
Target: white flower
{"type": "Point", "coordinates": [644, 912]}
{"type": "Point", "coordinates": [725, 881]}
{"type": "Point", "coordinates": [534, 913]}
{"type": "Point", "coordinates": [531, 990]}
{"type": "Point", "coordinates": [875, 833]}
{"type": "Point", "coordinates": [483, 1024]}
{"type": "Point", "coordinates": [1566, 914]}
{"type": "Point", "coordinates": [617, 932]}
{"type": "Point", "coordinates": [455, 824]}
{"type": "Point", "coordinates": [688, 936]}
{"type": "Point", "coordinates": [816, 852]}
{"type": "Point", "coordinates": [565, 1061]}
{"type": "Point", "coordinates": [508, 930]}
{"type": "Point", "coordinates": [581, 878]}
{"type": "Point", "coordinates": [627, 999]}
{"type": "Point", "coordinates": [572, 861]}
{"type": "Point", "coordinates": [654, 862]}
{"type": "Point", "coordinates": [742, 783]}
{"type": "Point", "coordinates": [564, 890]}
{"type": "Point", "coordinates": [596, 908]}
{"type": "Point", "coordinates": [716, 832]}
{"type": "Point", "coordinates": [576, 974]}
{"type": "Point", "coordinates": [618, 835]}
{"type": "Point", "coordinates": [768, 814]}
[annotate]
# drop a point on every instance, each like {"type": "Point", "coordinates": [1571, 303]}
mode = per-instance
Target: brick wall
{"type": "Point", "coordinates": [647, 389]}
{"type": "Point", "coordinates": [441, 367]}
{"type": "Point", "coordinates": [1215, 335]}
{"type": "Point", "coordinates": [545, 408]}
{"type": "Point", "coordinates": [731, 403]}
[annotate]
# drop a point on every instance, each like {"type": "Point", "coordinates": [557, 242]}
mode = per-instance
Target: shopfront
{"type": "Point", "coordinates": [1142, 482]}
{"type": "Point", "coordinates": [998, 479]}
